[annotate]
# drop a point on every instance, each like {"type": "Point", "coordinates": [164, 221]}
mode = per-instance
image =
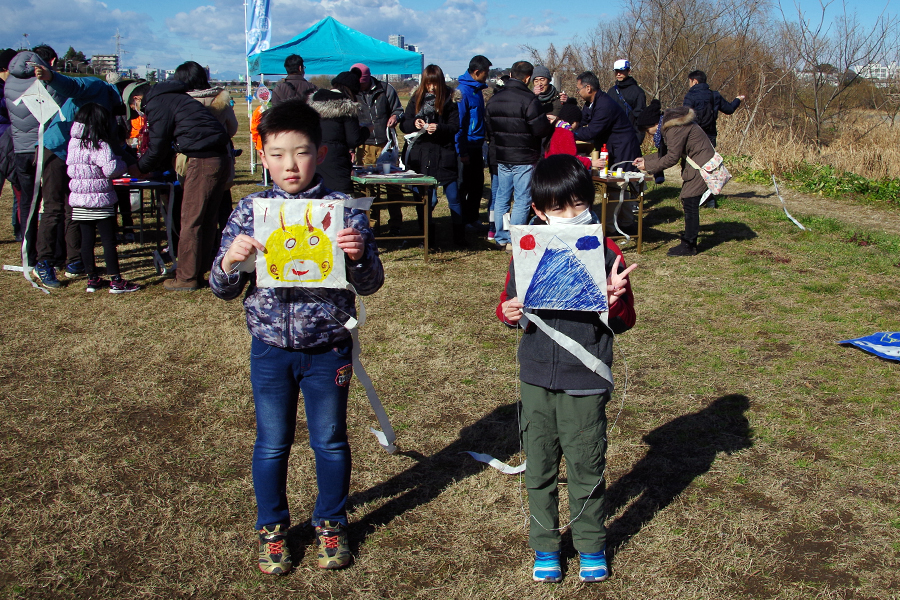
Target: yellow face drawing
{"type": "Point", "coordinates": [299, 252]}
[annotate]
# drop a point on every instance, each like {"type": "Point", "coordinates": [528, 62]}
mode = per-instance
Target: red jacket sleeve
{"type": "Point", "coordinates": [623, 309]}
{"type": "Point", "coordinates": [504, 296]}
{"type": "Point", "coordinates": [563, 142]}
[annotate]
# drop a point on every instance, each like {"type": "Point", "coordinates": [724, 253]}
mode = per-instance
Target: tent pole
{"type": "Point", "coordinates": [249, 92]}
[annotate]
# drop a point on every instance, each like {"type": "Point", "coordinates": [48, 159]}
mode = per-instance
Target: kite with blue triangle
{"type": "Point", "coordinates": [885, 344]}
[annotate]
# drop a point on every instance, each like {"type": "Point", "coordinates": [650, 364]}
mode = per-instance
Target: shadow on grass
{"type": "Point", "coordinates": [720, 232]}
{"type": "Point", "coordinates": [496, 434]}
{"type": "Point", "coordinates": [659, 194]}
{"type": "Point", "coordinates": [680, 451]}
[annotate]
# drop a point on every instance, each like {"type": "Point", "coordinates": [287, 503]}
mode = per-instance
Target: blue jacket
{"type": "Point", "coordinates": [604, 122]}
{"type": "Point", "coordinates": [297, 318]}
{"type": "Point", "coordinates": [707, 105]}
{"type": "Point", "coordinates": [79, 91]}
{"type": "Point", "coordinates": [471, 114]}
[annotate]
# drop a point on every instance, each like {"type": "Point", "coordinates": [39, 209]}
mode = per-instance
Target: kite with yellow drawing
{"type": "Point", "coordinates": [301, 242]}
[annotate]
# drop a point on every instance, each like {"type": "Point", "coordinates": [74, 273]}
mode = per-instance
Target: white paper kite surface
{"type": "Point", "coordinates": [40, 102]}
{"type": "Point", "coordinates": [300, 237]}
{"type": "Point", "coordinates": [561, 267]}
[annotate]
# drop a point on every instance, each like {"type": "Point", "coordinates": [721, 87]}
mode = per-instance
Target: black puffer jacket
{"type": "Point", "coordinates": [179, 123]}
{"type": "Point", "coordinates": [434, 154]}
{"type": "Point", "coordinates": [340, 133]}
{"type": "Point", "coordinates": [516, 125]}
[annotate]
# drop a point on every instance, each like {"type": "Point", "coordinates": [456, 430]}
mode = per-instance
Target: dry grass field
{"type": "Point", "coordinates": [753, 457]}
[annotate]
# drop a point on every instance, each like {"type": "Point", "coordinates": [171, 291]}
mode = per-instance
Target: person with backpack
{"type": "Point", "coordinates": [628, 94]}
{"type": "Point", "coordinates": [294, 85]}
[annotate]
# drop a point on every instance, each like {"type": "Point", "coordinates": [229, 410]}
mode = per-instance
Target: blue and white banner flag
{"type": "Point", "coordinates": [885, 344]}
{"type": "Point", "coordinates": [259, 29]}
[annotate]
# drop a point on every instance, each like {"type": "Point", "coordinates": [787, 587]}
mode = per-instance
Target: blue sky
{"type": "Point", "coordinates": [164, 33]}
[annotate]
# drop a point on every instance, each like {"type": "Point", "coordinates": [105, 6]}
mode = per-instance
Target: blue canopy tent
{"type": "Point", "coordinates": [329, 47]}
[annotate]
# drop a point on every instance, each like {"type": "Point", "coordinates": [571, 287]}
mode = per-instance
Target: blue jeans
{"type": "Point", "coordinates": [450, 191]}
{"type": "Point", "coordinates": [512, 180]}
{"type": "Point", "coordinates": [277, 376]}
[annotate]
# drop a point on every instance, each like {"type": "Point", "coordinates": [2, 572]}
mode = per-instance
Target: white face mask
{"type": "Point", "coordinates": [581, 219]}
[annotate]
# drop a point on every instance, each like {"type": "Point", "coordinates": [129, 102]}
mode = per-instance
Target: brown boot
{"type": "Point", "coordinates": [173, 285]}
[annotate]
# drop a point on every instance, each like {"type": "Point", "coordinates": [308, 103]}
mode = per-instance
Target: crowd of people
{"type": "Point", "coordinates": [309, 139]}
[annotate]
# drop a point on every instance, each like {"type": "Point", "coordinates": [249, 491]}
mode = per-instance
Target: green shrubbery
{"type": "Point", "coordinates": [826, 181]}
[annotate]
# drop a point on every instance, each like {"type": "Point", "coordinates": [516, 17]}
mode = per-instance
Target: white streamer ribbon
{"type": "Point", "coordinates": [387, 437]}
{"type": "Point", "coordinates": [784, 206]}
{"type": "Point", "coordinates": [574, 348]}
{"type": "Point", "coordinates": [496, 463]}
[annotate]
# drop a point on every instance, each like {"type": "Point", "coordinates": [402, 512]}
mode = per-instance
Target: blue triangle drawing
{"type": "Point", "coordinates": [562, 282]}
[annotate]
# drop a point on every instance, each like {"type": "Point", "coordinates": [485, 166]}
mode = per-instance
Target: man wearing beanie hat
{"type": "Point", "coordinates": [544, 90]}
{"type": "Point", "coordinates": [379, 102]}
{"type": "Point", "coordinates": [627, 93]}
{"type": "Point", "coordinates": [294, 85]}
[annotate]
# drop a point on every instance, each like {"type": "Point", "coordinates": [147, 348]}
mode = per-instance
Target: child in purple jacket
{"type": "Point", "coordinates": [91, 164]}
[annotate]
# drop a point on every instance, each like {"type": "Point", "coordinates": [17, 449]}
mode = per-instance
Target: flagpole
{"type": "Point", "coordinates": [249, 91]}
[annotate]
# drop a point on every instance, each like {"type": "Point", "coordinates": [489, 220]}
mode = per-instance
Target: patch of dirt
{"type": "Point", "coordinates": [799, 205]}
{"type": "Point", "coordinates": [812, 553]}
{"type": "Point", "coordinates": [770, 256]}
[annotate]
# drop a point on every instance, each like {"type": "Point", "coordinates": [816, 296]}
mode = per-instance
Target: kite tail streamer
{"type": "Point", "coordinates": [784, 206]}
{"type": "Point", "coordinates": [386, 437]}
{"type": "Point", "coordinates": [39, 173]}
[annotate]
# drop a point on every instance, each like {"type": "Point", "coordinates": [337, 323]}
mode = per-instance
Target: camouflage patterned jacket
{"type": "Point", "coordinates": [298, 318]}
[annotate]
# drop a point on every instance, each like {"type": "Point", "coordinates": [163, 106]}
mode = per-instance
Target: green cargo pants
{"type": "Point", "coordinates": [555, 424]}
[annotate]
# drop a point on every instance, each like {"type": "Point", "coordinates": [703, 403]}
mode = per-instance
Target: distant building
{"type": "Point", "coordinates": [878, 72]}
{"type": "Point", "coordinates": [396, 40]}
{"type": "Point", "coordinates": [400, 42]}
{"type": "Point", "coordinates": [104, 63]}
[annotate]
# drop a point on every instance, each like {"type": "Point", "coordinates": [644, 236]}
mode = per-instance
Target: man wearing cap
{"type": "Point", "coordinates": [294, 85]}
{"type": "Point", "coordinates": [544, 90]}
{"type": "Point", "coordinates": [381, 107]}
{"type": "Point", "coordinates": [628, 94]}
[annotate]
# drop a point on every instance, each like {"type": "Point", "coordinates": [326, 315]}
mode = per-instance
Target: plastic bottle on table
{"type": "Point", "coordinates": [604, 157]}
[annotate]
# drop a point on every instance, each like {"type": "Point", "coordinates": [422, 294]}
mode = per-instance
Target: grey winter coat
{"type": "Point", "coordinates": [683, 138]}
{"type": "Point", "coordinates": [24, 124]}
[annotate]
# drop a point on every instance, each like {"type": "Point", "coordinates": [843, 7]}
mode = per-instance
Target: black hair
{"type": "Point", "coordinates": [558, 181]}
{"type": "Point", "coordinates": [291, 115]}
{"type": "Point", "coordinates": [140, 90]}
{"type": "Point", "coordinates": [698, 76]}
{"type": "Point", "coordinates": [47, 54]}
{"type": "Point", "coordinates": [479, 63]}
{"type": "Point", "coordinates": [192, 75]}
{"type": "Point", "coordinates": [522, 69]}
{"type": "Point", "coordinates": [293, 64]}
{"type": "Point", "coordinates": [588, 78]}
{"type": "Point", "coordinates": [96, 125]}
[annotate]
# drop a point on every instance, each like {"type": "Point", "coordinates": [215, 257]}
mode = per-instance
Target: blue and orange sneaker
{"type": "Point", "coordinates": [546, 567]}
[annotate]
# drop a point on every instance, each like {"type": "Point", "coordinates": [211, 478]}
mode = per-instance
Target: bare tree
{"type": "Point", "coordinates": [829, 57]}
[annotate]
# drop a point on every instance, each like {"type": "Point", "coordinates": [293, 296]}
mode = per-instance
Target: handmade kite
{"type": "Point", "coordinates": [560, 267]}
{"type": "Point", "coordinates": [42, 105]}
{"type": "Point", "coordinates": [885, 344]}
{"type": "Point", "coordinates": [300, 237]}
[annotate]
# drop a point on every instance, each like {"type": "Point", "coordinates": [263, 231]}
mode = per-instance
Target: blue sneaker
{"type": "Point", "coordinates": [75, 269]}
{"type": "Point", "coordinates": [593, 567]}
{"type": "Point", "coordinates": [46, 274]}
{"type": "Point", "coordinates": [546, 567]}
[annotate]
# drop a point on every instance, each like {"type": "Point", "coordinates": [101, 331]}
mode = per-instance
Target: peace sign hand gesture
{"type": "Point", "coordinates": [616, 282]}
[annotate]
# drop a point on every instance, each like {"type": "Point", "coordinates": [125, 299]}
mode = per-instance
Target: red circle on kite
{"type": "Point", "coordinates": [527, 242]}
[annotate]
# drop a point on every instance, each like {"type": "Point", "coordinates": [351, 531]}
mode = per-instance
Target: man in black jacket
{"type": "Point", "coordinates": [516, 125]}
{"type": "Point", "coordinates": [294, 85]}
{"type": "Point", "coordinates": [628, 94]}
{"type": "Point", "coordinates": [707, 104]}
{"type": "Point", "coordinates": [177, 121]}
